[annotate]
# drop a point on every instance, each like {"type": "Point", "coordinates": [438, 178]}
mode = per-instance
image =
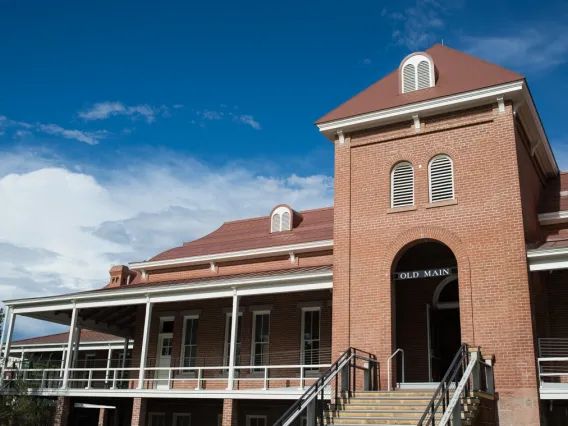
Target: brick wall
{"type": "Point", "coordinates": [484, 229]}
{"type": "Point", "coordinates": [62, 409]}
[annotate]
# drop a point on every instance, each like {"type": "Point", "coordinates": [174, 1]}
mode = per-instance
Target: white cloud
{"type": "Point", "coordinates": [91, 138]}
{"type": "Point", "coordinates": [525, 49]}
{"type": "Point", "coordinates": [249, 119]}
{"type": "Point", "coordinates": [418, 26]}
{"type": "Point", "coordinates": [61, 230]}
{"type": "Point", "coordinates": [104, 110]}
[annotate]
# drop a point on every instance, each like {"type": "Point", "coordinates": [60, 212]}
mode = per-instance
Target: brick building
{"type": "Point", "coordinates": [443, 262]}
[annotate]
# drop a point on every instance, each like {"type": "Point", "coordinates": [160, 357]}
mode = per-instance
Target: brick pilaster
{"type": "Point", "coordinates": [230, 413]}
{"type": "Point", "coordinates": [139, 412]}
{"type": "Point", "coordinates": [102, 417]}
{"type": "Point", "coordinates": [62, 408]}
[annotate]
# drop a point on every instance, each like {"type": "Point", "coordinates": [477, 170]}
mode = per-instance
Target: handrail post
{"type": "Point", "coordinates": [199, 376]}
{"type": "Point", "coordinates": [457, 415]}
{"type": "Point", "coordinates": [114, 379]}
{"type": "Point", "coordinates": [170, 371]}
{"type": "Point", "coordinates": [301, 377]}
{"type": "Point", "coordinates": [43, 377]}
{"type": "Point", "coordinates": [89, 380]}
{"type": "Point", "coordinates": [489, 377]}
{"type": "Point", "coordinates": [311, 413]}
{"type": "Point", "coordinates": [265, 378]}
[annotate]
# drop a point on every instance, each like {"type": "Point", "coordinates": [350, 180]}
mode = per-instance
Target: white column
{"type": "Point", "coordinates": [72, 328]}
{"type": "Point", "coordinates": [109, 357]}
{"type": "Point", "coordinates": [145, 339]}
{"type": "Point", "coordinates": [124, 352]}
{"type": "Point", "coordinates": [233, 346]}
{"type": "Point", "coordinates": [12, 319]}
{"type": "Point", "coordinates": [6, 316]}
{"type": "Point", "coordinates": [77, 343]}
{"type": "Point", "coordinates": [63, 353]}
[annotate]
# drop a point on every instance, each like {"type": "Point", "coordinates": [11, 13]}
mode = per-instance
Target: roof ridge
{"type": "Point", "coordinates": [250, 219]}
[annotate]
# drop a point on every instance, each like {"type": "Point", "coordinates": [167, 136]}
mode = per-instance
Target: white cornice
{"type": "Point", "coordinates": [543, 259]}
{"type": "Point", "coordinates": [553, 217]}
{"type": "Point", "coordinates": [235, 255]}
{"type": "Point", "coordinates": [406, 111]}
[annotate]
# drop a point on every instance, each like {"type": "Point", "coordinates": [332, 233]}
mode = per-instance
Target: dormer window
{"type": "Point", "coordinates": [281, 219]}
{"type": "Point", "coordinates": [417, 72]}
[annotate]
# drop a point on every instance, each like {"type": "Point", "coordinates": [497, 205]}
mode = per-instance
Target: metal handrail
{"type": "Point", "coordinates": [389, 367]}
{"type": "Point", "coordinates": [442, 395]}
{"type": "Point", "coordinates": [342, 364]}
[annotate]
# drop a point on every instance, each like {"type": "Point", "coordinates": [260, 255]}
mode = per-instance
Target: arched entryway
{"type": "Point", "coordinates": [426, 310]}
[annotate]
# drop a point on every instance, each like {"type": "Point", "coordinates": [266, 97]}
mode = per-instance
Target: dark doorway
{"type": "Point", "coordinates": [427, 322]}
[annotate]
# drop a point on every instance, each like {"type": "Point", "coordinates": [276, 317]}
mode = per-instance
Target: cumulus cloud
{"type": "Point", "coordinates": [61, 230]}
{"type": "Point", "coordinates": [104, 110]}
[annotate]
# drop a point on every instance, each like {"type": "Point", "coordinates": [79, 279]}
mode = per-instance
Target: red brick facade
{"type": "Point", "coordinates": [483, 228]}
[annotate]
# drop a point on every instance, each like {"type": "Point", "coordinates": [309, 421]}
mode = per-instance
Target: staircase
{"type": "Point", "coordinates": [404, 407]}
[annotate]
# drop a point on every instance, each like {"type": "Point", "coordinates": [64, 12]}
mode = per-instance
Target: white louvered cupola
{"type": "Point", "coordinates": [417, 72]}
{"type": "Point", "coordinates": [402, 185]}
{"type": "Point", "coordinates": [441, 179]}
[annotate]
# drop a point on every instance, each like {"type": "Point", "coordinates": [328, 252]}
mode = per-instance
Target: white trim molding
{"type": "Point", "coordinates": [542, 259]}
{"type": "Point", "coordinates": [234, 255]}
{"type": "Point", "coordinates": [553, 218]}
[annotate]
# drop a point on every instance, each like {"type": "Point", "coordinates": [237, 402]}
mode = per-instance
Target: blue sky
{"type": "Point", "coordinates": [128, 127]}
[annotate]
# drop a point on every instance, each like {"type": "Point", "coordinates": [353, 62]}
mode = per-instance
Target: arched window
{"type": "Point", "coordinates": [281, 219]}
{"type": "Point", "coordinates": [441, 179]}
{"type": "Point", "coordinates": [417, 72]}
{"type": "Point", "coordinates": [402, 185]}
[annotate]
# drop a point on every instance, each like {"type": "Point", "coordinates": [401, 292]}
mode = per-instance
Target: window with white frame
{"type": "Point", "coordinates": [157, 419]}
{"type": "Point", "coordinates": [256, 420]}
{"type": "Point", "coordinates": [227, 346]}
{"type": "Point", "coordinates": [260, 337]}
{"type": "Point", "coordinates": [402, 185]}
{"type": "Point", "coordinates": [182, 419]}
{"type": "Point", "coordinates": [311, 336]}
{"type": "Point", "coordinates": [281, 219]}
{"type": "Point", "coordinates": [441, 178]}
{"type": "Point", "coordinates": [417, 73]}
{"type": "Point", "coordinates": [189, 340]}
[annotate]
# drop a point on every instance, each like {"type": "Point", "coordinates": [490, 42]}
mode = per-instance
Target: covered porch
{"type": "Point", "coordinates": [262, 335]}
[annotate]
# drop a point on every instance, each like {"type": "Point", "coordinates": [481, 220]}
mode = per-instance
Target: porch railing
{"type": "Point", "coordinates": [553, 362]}
{"type": "Point", "coordinates": [277, 369]}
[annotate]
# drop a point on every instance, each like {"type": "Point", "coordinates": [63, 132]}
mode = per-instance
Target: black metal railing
{"type": "Point", "coordinates": [441, 398]}
{"type": "Point", "coordinates": [468, 372]}
{"type": "Point", "coordinates": [340, 380]}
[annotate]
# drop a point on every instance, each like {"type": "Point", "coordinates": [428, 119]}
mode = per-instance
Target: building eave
{"type": "Point", "coordinates": [516, 91]}
{"type": "Point", "coordinates": [234, 255]}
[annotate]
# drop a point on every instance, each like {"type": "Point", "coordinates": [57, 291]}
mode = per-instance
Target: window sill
{"type": "Point", "coordinates": [401, 209]}
{"type": "Point", "coordinates": [442, 203]}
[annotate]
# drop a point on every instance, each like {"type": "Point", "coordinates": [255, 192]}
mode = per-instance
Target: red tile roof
{"type": "Point", "coordinates": [248, 234]}
{"type": "Point", "coordinates": [457, 72]}
{"type": "Point", "coordinates": [86, 336]}
{"type": "Point", "coordinates": [555, 195]}
{"type": "Point", "coordinates": [288, 271]}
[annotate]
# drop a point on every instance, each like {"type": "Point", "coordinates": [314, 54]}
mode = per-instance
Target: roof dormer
{"type": "Point", "coordinates": [282, 218]}
{"type": "Point", "coordinates": [416, 72]}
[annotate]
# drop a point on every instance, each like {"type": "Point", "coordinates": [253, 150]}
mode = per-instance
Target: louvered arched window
{"type": "Point", "coordinates": [408, 78]}
{"type": "Point", "coordinates": [441, 178]}
{"type": "Point", "coordinates": [417, 72]}
{"type": "Point", "coordinates": [402, 185]}
{"type": "Point", "coordinates": [281, 219]}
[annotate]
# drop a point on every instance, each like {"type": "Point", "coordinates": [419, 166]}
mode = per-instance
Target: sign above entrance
{"type": "Point", "coordinates": [424, 273]}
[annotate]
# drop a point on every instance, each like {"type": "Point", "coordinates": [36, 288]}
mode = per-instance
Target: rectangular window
{"type": "Point", "coordinates": [157, 419]}
{"type": "Point", "coordinates": [227, 348]}
{"type": "Point", "coordinates": [311, 336]}
{"type": "Point", "coordinates": [260, 333]}
{"type": "Point", "coordinates": [256, 420]}
{"type": "Point", "coordinates": [182, 419]}
{"type": "Point", "coordinates": [189, 341]}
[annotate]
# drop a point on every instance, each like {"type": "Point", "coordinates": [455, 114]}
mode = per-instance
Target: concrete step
{"type": "Point", "coordinates": [380, 406]}
{"type": "Point", "coordinates": [425, 393]}
{"type": "Point", "coordinates": [387, 400]}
